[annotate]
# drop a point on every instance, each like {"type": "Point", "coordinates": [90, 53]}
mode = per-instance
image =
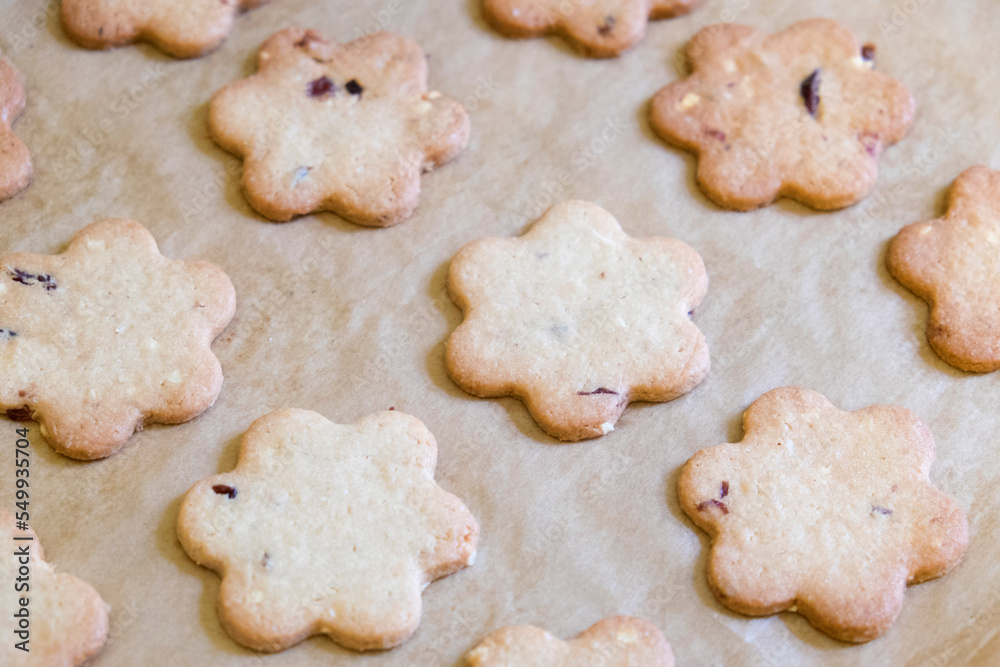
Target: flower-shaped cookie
{"type": "Point", "coordinates": [107, 336]}
{"type": "Point", "coordinates": [49, 618]}
{"type": "Point", "coordinates": [598, 28]}
{"type": "Point", "coordinates": [325, 528]}
{"type": "Point", "coordinates": [799, 114]}
{"type": "Point", "coordinates": [620, 641]}
{"type": "Point", "coordinates": [15, 161]}
{"type": "Point", "coordinates": [576, 319]}
{"type": "Point", "coordinates": [182, 28]}
{"type": "Point", "coordinates": [824, 512]}
{"type": "Point", "coordinates": [953, 263]}
{"type": "Point", "coordinates": [346, 128]}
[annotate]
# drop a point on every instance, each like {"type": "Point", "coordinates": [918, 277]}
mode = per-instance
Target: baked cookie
{"type": "Point", "coordinates": [953, 264]}
{"type": "Point", "coordinates": [327, 529]}
{"type": "Point", "coordinates": [182, 28]}
{"type": "Point", "coordinates": [620, 641]}
{"type": "Point", "coordinates": [598, 28]}
{"type": "Point", "coordinates": [827, 513]}
{"type": "Point", "coordinates": [576, 319]}
{"type": "Point", "coordinates": [67, 619]}
{"type": "Point", "coordinates": [800, 114]}
{"type": "Point", "coordinates": [108, 336]}
{"type": "Point", "coordinates": [346, 128]}
{"type": "Point", "coordinates": [15, 161]}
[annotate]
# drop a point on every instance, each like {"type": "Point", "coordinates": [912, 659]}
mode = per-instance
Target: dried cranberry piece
{"type": "Point", "coordinates": [712, 502]}
{"type": "Point", "coordinates": [22, 414]}
{"type": "Point", "coordinates": [224, 490]}
{"type": "Point", "coordinates": [354, 88]}
{"type": "Point", "coordinates": [599, 390]}
{"type": "Point", "coordinates": [609, 25]}
{"type": "Point", "coordinates": [322, 86]}
{"type": "Point", "coordinates": [810, 92]}
{"type": "Point", "coordinates": [868, 52]}
{"type": "Point", "coordinates": [724, 490]}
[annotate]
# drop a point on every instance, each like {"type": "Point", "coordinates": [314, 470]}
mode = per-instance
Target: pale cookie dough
{"type": "Point", "coordinates": [576, 319]}
{"type": "Point", "coordinates": [953, 263]}
{"type": "Point", "coordinates": [347, 128]}
{"type": "Point", "coordinates": [324, 528]}
{"type": "Point", "coordinates": [182, 28]}
{"type": "Point", "coordinates": [15, 161]}
{"type": "Point", "coordinates": [598, 28]}
{"type": "Point", "coordinates": [827, 513]}
{"type": "Point", "coordinates": [801, 114]}
{"type": "Point", "coordinates": [620, 641]}
{"type": "Point", "coordinates": [108, 336]}
{"type": "Point", "coordinates": [68, 620]}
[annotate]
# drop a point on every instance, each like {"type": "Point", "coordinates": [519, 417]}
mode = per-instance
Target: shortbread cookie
{"type": "Point", "coordinates": [953, 263]}
{"type": "Point", "coordinates": [620, 641]}
{"type": "Point", "coordinates": [576, 319]}
{"type": "Point", "coordinates": [827, 513]}
{"type": "Point", "coordinates": [67, 621]}
{"type": "Point", "coordinates": [327, 529]}
{"type": "Point", "coordinates": [598, 28]}
{"type": "Point", "coordinates": [108, 336]}
{"type": "Point", "coordinates": [800, 114]}
{"type": "Point", "coordinates": [15, 161]}
{"type": "Point", "coordinates": [346, 128]}
{"type": "Point", "coordinates": [182, 28]}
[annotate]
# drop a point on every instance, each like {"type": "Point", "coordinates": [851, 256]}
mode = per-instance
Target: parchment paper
{"type": "Point", "coordinates": [346, 321]}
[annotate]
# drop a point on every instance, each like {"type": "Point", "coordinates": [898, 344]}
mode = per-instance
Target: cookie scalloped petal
{"type": "Point", "coordinates": [576, 318]}
{"type": "Point", "coordinates": [16, 169]}
{"type": "Point", "coordinates": [824, 512]}
{"type": "Point", "coordinates": [347, 128]}
{"type": "Point", "coordinates": [798, 114]}
{"type": "Point", "coordinates": [953, 264]}
{"type": "Point", "coordinates": [597, 28]}
{"type": "Point", "coordinates": [68, 618]}
{"type": "Point", "coordinates": [325, 528]}
{"type": "Point", "coordinates": [181, 28]}
{"type": "Point", "coordinates": [109, 336]}
{"type": "Point", "coordinates": [618, 641]}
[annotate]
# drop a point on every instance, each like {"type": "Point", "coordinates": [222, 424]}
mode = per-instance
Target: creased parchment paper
{"type": "Point", "coordinates": [346, 321]}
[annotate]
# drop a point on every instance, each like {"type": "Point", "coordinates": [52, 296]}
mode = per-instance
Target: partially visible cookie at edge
{"type": "Point", "coordinates": [16, 169]}
{"type": "Point", "coordinates": [67, 621]}
{"type": "Point", "coordinates": [827, 513]}
{"type": "Point", "coordinates": [347, 128]}
{"type": "Point", "coordinates": [577, 319]}
{"type": "Point", "coordinates": [181, 28]}
{"type": "Point", "coordinates": [326, 528]}
{"type": "Point", "coordinates": [597, 28]}
{"type": "Point", "coordinates": [802, 113]}
{"type": "Point", "coordinates": [620, 641]}
{"type": "Point", "coordinates": [108, 336]}
{"type": "Point", "coordinates": [953, 263]}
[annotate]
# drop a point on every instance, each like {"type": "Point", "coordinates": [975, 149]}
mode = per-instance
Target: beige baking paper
{"type": "Point", "coordinates": [347, 320]}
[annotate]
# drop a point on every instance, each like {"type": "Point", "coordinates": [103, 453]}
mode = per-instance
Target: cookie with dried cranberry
{"type": "Point", "coordinates": [620, 641]}
{"type": "Point", "coordinates": [802, 113]}
{"type": "Point", "coordinates": [15, 161]}
{"type": "Point", "coordinates": [577, 319]}
{"type": "Point", "coordinates": [827, 513]}
{"type": "Point", "coordinates": [49, 617]}
{"type": "Point", "coordinates": [597, 28]}
{"type": "Point", "coordinates": [953, 263]}
{"type": "Point", "coordinates": [182, 28]}
{"type": "Point", "coordinates": [325, 528]}
{"type": "Point", "coordinates": [108, 336]}
{"type": "Point", "coordinates": [347, 128]}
